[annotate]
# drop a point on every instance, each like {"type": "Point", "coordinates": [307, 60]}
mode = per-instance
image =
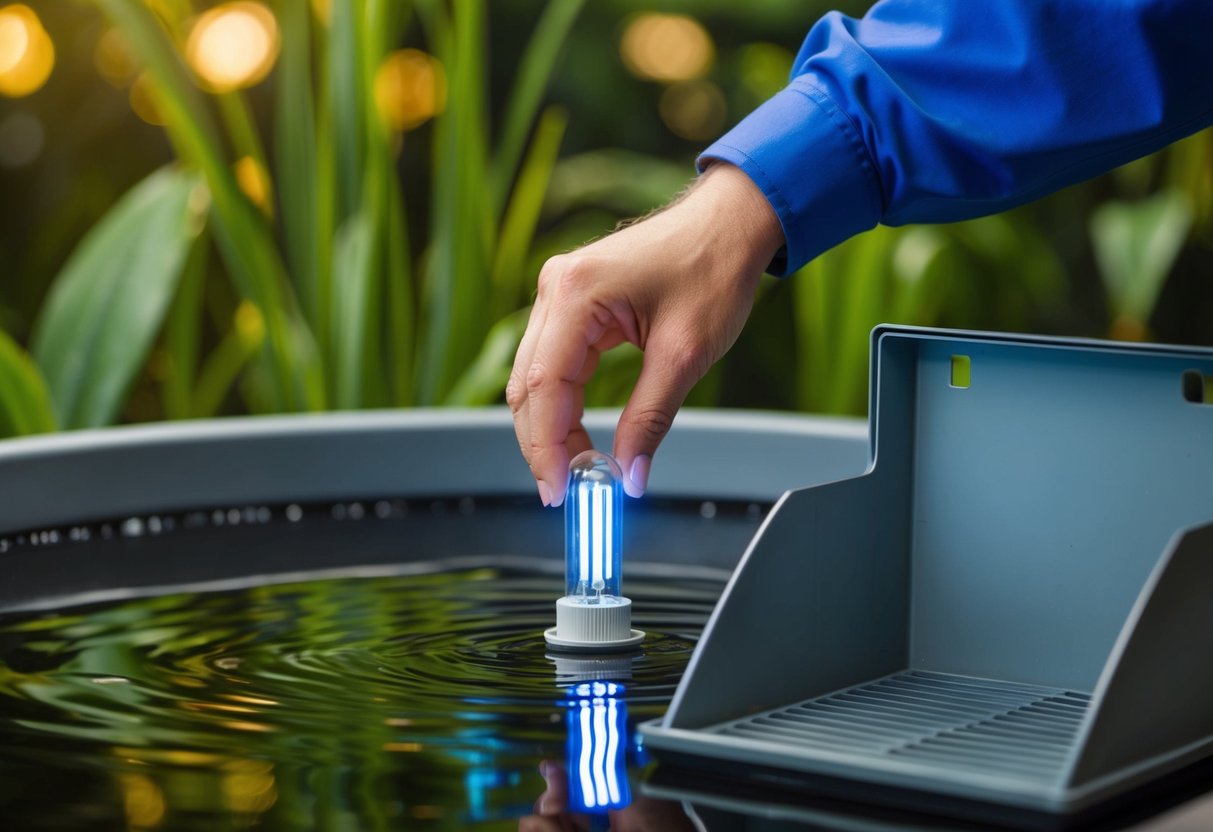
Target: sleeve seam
{"type": "Point", "coordinates": [845, 125]}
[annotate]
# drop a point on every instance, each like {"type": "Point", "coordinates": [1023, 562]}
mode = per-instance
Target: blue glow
{"type": "Point", "coordinates": [596, 758]}
{"type": "Point", "coordinates": [593, 528]}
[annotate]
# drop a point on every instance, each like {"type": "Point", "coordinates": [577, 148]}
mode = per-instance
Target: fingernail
{"type": "Point", "coordinates": [557, 500]}
{"type": "Point", "coordinates": [545, 493]}
{"type": "Point", "coordinates": [639, 475]}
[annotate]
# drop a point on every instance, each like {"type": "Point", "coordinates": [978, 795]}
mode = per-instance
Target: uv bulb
{"type": "Point", "coordinates": [593, 615]}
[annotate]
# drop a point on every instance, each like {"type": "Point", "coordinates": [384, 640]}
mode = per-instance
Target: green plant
{"type": "Point", "coordinates": [327, 304]}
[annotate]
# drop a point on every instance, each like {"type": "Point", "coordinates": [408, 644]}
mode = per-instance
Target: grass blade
{"type": "Point", "coordinates": [25, 401]}
{"type": "Point", "coordinates": [109, 301]}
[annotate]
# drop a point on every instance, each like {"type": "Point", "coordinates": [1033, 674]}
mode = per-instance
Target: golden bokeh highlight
{"type": "Point", "coordinates": [666, 47]}
{"type": "Point", "coordinates": [323, 11]}
{"type": "Point", "coordinates": [403, 747]}
{"type": "Point", "coordinates": [694, 110]}
{"type": "Point", "coordinates": [233, 46]}
{"type": "Point", "coordinates": [250, 328]}
{"type": "Point", "coordinates": [249, 786]}
{"type": "Point", "coordinates": [143, 101]}
{"type": "Point", "coordinates": [410, 89]}
{"type": "Point", "coordinates": [113, 59]}
{"type": "Point", "coordinates": [255, 182]}
{"type": "Point", "coordinates": [27, 54]}
{"type": "Point", "coordinates": [142, 800]}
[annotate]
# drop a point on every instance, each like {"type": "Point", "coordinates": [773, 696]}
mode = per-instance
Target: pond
{"type": "Point", "coordinates": [413, 694]}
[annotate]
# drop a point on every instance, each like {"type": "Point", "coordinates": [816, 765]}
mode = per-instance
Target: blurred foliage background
{"type": "Point", "coordinates": [293, 205]}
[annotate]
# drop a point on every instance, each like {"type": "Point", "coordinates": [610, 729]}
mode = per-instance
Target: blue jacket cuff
{"type": "Point", "coordinates": [808, 159]}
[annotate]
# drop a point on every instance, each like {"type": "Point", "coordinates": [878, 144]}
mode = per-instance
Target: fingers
{"type": "Point", "coordinates": [551, 809]}
{"type": "Point", "coordinates": [562, 362]}
{"type": "Point", "coordinates": [515, 390]}
{"type": "Point", "coordinates": [666, 377]}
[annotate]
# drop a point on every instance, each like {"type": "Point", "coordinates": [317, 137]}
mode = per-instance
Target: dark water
{"type": "Point", "coordinates": [426, 701]}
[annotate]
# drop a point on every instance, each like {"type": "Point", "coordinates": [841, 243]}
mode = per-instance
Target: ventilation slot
{"type": "Point", "coordinates": [938, 720]}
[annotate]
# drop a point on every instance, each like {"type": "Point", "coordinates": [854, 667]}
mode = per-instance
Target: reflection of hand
{"type": "Point", "coordinates": [679, 285]}
{"type": "Point", "coordinates": [645, 814]}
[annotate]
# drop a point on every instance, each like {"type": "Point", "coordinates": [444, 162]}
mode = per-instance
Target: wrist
{"type": "Point", "coordinates": [739, 215]}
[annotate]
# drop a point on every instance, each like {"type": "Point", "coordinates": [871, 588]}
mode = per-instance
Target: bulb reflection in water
{"type": "Point", "coordinates": [596, 756]}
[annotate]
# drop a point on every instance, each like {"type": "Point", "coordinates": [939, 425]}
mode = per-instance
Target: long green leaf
{"type": "Point", "coordinates": [457, 282]}
{"type": "Point", "coordinates": [1136, 244]}
{"type": "Point", "coordinates": [862, 308]}
{"type": "Point", "coordinates": [25, 402]}
{"type": "Point", "coordinates": [109, 302]}
{"type": "Point", "coordinates": [353, 303]}
{"type": "Point", "coordinates": [223, 366]}
{"type": "Point", "coordinates": [383, 206]}
{"type": "Point", "coordinates": [243, 236]}
{"type": "Point", "coordinates": [402, 325]}
{"type": "Point", "coordinates": [810, 293]}
{"type": "Point", "coordinates": [182, 333]}
{"type": "Point", "coordinates": [484, 381]}
{"type": "Point", "coordinates": [347, 87]}
{"type": "Point", "coordinates": [522, 216]}
{"type": "Point", "coordinates": [534, 74]}
{"type": "Point", "coordinates": [295, 140]}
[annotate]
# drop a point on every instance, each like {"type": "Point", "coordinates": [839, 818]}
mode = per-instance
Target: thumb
{"type": "Point", "coordinates": [666, 378]}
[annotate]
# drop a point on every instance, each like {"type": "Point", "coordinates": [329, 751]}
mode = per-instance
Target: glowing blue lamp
{"type": "Point", "coordinates": [597, 744]}
{"type": "Point", "coordinates": [594, 615]}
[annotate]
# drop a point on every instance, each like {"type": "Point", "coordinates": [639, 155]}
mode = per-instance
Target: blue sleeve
{"type": "Point", "coordinates": [928, 111]}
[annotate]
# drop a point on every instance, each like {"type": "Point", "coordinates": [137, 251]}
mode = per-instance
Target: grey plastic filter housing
{"type": "Point", "coordinates": [1013, 606]}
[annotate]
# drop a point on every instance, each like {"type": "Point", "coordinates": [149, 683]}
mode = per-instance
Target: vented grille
{"type": "Point", "coordinates": [1024, 731]}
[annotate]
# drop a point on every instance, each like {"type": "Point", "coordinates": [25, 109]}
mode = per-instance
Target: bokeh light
{"type": "Point", "coordinates": [255, 182]}
{"type": "Point", "coordinates": [666, 47]}
{"type": "Point", "coordinates": [249, 324]}
{"type": "Point", "coordinates": [143, 801]}
{"type": "Point", "coordinates": [143, 101]}
{"type": "Point", "coordinates": [27, 54]}
{"type": "Point", "coordinates": [410, 89]}
{"type": "Point", "coordinates": [114, 60]}
{"type": "Point", "coordinates": [233, 46]}
{"type": "Point", "coordinates": [694, 110]}
{"type": "Point", "coordinates": [249, 786]}
{"type": "Point", "coordinates": [323, 11]}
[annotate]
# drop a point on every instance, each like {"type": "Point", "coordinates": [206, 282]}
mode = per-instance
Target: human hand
{"type": "Point", "coordinates": [679, 285]}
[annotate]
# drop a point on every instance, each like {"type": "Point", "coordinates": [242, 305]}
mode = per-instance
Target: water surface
{"type": "Point", "coordinates": [419, 701]}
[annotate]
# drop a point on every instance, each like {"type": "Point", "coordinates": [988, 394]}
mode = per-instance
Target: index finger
{"type": "Point", "coordinates": [556, 372]}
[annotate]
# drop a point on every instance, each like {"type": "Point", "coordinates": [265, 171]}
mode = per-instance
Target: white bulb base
{"type": "Point", "coordinates": [601, 626]}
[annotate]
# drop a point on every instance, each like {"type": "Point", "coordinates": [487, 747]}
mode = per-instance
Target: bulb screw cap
{"type": "Point", "coordinates": [593, 627]}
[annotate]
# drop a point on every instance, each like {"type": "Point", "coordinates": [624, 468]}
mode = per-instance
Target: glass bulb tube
{"type": "Point", "coordinates": [593, 521]}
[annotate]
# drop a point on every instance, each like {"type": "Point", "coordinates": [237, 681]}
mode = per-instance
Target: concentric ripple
{"type": "Point", "coordinates": [428, 696]}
